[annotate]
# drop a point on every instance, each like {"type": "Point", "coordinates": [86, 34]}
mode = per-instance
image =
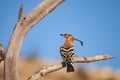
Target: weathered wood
{"type": "Point", "coordinates": [24, 24]}
{"type": "Point", "coordinates": [20, 12]}
{"type": "Point", "coordinates": [76, 59]}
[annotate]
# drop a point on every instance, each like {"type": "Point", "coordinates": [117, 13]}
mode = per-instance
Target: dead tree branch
{"type": "Point", "coordinates": [92, 59]}
{"type": "Point", "coordinates": [24, 24]}
{"type": "Point", "coordinates": [59, 66]}
{"type": "Point", "coordinates": [21, 11]}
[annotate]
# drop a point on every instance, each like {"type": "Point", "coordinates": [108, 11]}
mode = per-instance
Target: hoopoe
{"type": "Point", "coordinates": [67, 51]}
{"type": "Point", "coordinates": [2, 55]}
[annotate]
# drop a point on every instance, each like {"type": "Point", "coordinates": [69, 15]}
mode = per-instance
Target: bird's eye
{"type": "Point", "coordinates": [65, 34]}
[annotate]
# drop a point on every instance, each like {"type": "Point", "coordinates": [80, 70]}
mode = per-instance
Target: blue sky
{"type": "Point", "coordinates": [95, 22]}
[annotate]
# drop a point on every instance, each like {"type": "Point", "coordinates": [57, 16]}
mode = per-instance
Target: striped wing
{"type": "Point", "coordinates": [67, 53]}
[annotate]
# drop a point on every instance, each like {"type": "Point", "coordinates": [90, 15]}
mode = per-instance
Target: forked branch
{"type": "Point", "coordinates": [24, 24]}
{"type": "Point", "coordinates": [59, 66]}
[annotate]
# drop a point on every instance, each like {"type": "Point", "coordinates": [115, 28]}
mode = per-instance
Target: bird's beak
{"type": "Point", "coordinates": [79, 41]}
{"type": "Point", "coordinates": [61, 34]}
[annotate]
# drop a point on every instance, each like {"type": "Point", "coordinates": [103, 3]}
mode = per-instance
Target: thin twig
{"type": "Point", "coordinates": [21, 11]}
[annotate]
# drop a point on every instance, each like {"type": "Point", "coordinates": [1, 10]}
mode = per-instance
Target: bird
{"type": "Point", "coordinates": [2, 55]}
{"type": "Point", "coordinates": [67, 51]}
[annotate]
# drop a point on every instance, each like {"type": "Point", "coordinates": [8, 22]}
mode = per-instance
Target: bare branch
{"type": "Point", "coordinates": [59, 66]}
{"type": "Point", "coordinates": [91, 59]}
{"type": "Point", "coordinates": [24, 24]}
{"type": "Point", "coordinates": [46, 70]}
{"type": "Point", "coordinates": [20, 12]}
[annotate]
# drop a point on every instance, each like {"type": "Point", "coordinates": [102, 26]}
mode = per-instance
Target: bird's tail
{"type": "Point", "coordinates": [70, 67]}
